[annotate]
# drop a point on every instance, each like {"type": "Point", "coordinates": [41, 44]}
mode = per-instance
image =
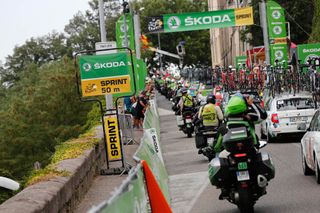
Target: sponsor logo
{"type": "Point", "coordinates": [207, 20]}
{"type": "Point", "coordinates": [278, 54]}
{"type": "Point", "coordinates": [86, 67]}
{"type": "Point", "coordinates": [113, 64]}
{"type": "Point", "coordinates": [155, 24]}
{"type": "Point", "coordinates": [313, 50]}
{"type": "Point", "coordinates": [277, 30]}
{"type": "Point", "coordinates": [311, 56]}
{"type": "Point", "coordinates": [276, 14]}
{"type": "Point", "coordinates": [243, 16]}
{"type": "Point", "coordinates": [174, 22]}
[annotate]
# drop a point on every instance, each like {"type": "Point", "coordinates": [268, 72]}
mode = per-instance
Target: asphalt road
{"type": "Point", "coordinates": [191, 190]}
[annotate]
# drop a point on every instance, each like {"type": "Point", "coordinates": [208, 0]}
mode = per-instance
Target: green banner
{"type": "Point", "coordinates": [146, 152]}
{"type": "Point", "coordinates": [306, 51]}
{"type": "Point", "coordinates": [109, 65]}
{"type": "Point", "coordinates": [240, 60]}
{"type": "Point", "coordinates": [206, 20]}
{"type": "Point", "coordinates": [277, 32]}
{"type": "Point", "coordinates": [276, 20]}
{"type": "Point", "coordinates": [279, 52]}
{"type": "Point", "coordinates": [120, 32]}
{"type": "Point", "coordinates": [131, 198]}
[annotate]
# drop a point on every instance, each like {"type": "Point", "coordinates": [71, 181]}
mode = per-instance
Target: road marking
{"type": "Point", "coordinates": [185, 189]}
{"type": "Point", "coordinates": [180, 152]}
{"type": "Point", "coordinates": [164, 112]}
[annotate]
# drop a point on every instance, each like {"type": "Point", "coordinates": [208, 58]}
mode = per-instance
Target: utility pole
{"type": "Point", "coordinates": [125, 10]}
{"type": "Point", "coordinates": [103, 34]}
{"type": "Point", "coordinates": [103, 37]}
{"type": "Point", "coordinates": [263, 20]}
{"type": "Point", "coordinates": [160, 56]}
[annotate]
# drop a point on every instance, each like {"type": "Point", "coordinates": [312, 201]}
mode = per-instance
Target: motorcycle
{"type": "Point", "coordinates": [187, 126]}
{"type": "Point", "coordinates": [244, 173]}
{"type": "Point", "coordinates": [203, 137]}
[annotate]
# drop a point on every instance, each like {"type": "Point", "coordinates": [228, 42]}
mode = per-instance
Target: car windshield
{"type": "Point", "coordinates": [295, 104]}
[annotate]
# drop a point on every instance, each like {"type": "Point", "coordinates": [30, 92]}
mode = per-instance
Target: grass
{"type": "Point", "coordinates": [68, 150]}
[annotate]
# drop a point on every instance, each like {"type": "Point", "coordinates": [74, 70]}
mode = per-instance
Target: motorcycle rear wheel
{"type": "Point", "coordinates": [245, 204]}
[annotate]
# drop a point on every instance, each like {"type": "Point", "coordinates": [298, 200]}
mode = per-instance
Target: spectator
{"type": "Point", "coordinates": [140, 109]}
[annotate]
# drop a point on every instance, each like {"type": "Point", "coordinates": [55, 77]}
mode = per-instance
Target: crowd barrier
{"type": "Point", "coordinates": [126, 126]}
{"type": "Point", "coordinates": [146, 187]}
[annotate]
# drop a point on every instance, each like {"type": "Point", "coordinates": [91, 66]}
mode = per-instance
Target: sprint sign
{"type": "Point", "coordinates": [105, 74]}
{"type": "Point", "coordinates": [113, 137]}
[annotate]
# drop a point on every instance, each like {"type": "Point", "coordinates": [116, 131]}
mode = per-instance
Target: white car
{"type": "Point", "coordinates": [310, 148]}
{"type": "Point", "coordinates": [285, 114]}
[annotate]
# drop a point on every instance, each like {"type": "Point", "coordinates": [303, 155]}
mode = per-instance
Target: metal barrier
{"type": "Point", "coordinates": [126, 128]}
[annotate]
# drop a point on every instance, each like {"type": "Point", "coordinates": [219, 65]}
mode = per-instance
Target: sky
{"type": "Point", "coordinates": [22, 19]}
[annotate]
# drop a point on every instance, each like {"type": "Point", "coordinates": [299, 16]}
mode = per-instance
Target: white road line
{"type": "Point", "coordinates": [185, 189]}
{"type": "Point", "coordinates": [164, 112]}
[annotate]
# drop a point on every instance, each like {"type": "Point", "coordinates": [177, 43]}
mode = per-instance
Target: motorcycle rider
{"type": "Point", "coordinates": [186, 102]}
{"type": "Point", "coordinates": [248, 111]}
{"type": "Point", "coordinates": [211, 117]}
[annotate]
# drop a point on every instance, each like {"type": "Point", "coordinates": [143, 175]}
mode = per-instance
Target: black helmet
{"type": "Point", "coordinates": [211, 99]}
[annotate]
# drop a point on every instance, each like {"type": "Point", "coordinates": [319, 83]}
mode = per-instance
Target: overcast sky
{"type": "Point", "coordinates": [22, 19]}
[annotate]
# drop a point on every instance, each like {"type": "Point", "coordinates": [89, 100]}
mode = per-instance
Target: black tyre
{"type": "Point", "coordinates": [271, 139]}
{"type": "Point", "coordinates": [189, 133]}
{"type": "Point", "coordinates": [305, 168]}
{"type": "Point", "coordinates": [246, 203]}
{"type": "Point", "coordinates": [317, 170]}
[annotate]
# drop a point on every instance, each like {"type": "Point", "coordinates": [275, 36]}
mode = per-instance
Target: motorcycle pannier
{"type": "Point", "coordinates": [201, 141]}
{"type": "Point", "coordinates": [219, 171]}
{"type": "Point", "coordinates": [238, 140]}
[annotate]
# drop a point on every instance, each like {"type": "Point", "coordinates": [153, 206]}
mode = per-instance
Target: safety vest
{"type": "Point", "coordinates": [187, 101]}
{"type": "Point", "coordinates": [209, 115]}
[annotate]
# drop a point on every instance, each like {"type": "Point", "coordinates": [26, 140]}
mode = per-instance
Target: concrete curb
{"type": "Point", "coordinates": [61, 194]}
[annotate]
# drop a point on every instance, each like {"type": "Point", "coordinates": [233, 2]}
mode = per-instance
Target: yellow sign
{"type": "Point", "coordinates": [103, 86]}
{"type": "Point", "coordinates": [280, 40]}
{"type": "Point", "coordinates": [113, 137]}
{"type": "Point", "coordinates": [243, 16]}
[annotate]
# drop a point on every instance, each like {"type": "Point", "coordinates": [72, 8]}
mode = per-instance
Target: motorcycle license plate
{"type": "Point", "coordinates": [188, 121]}
{"type": "Point", "coordinates": [210, 140]}
{"type": "Point", "coordinates": [243, 175]}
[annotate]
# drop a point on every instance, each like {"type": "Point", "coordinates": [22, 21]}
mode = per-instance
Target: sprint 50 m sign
{"type": "Point", "coordinates": [205, 20]}
{"type": "Point", "coordinates": [105, 74]}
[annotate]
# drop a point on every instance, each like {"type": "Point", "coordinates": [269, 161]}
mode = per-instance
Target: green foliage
{"type": "Point", "coordinates": [315, 36]}
{"type": "Point", "coordinates": [45, 174]}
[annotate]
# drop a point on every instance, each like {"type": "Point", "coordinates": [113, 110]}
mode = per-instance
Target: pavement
{"type": "Point", "coordinates": [104, 186]}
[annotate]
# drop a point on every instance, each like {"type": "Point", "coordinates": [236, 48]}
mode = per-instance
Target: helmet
{"type": "Point", "coordinates": [184, 91]}
{"type": "Point", "coordinates": [236, 105]}
{"type": "Point", "coordinates": [211, 99]}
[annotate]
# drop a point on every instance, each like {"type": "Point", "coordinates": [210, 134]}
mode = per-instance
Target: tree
{"type": "Point", "coordinates": [315, 36]}
{"type": "Point", "coordinates": [35, 51]}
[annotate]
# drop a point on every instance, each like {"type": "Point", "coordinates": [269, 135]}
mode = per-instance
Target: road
{"type": "Point", "coordinates": [191, 191]}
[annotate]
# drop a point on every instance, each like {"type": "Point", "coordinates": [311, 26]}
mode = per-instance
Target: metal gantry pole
{"type": "Point", "coordinates": [263, 20]}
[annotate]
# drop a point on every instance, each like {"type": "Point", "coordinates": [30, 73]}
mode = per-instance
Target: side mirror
{"type": "Point", "coordinates": [262, 144]}
{"type": "Point", "coordinates": [9, 184]}
{"type": "Point", "coordinates": [302, 126]}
